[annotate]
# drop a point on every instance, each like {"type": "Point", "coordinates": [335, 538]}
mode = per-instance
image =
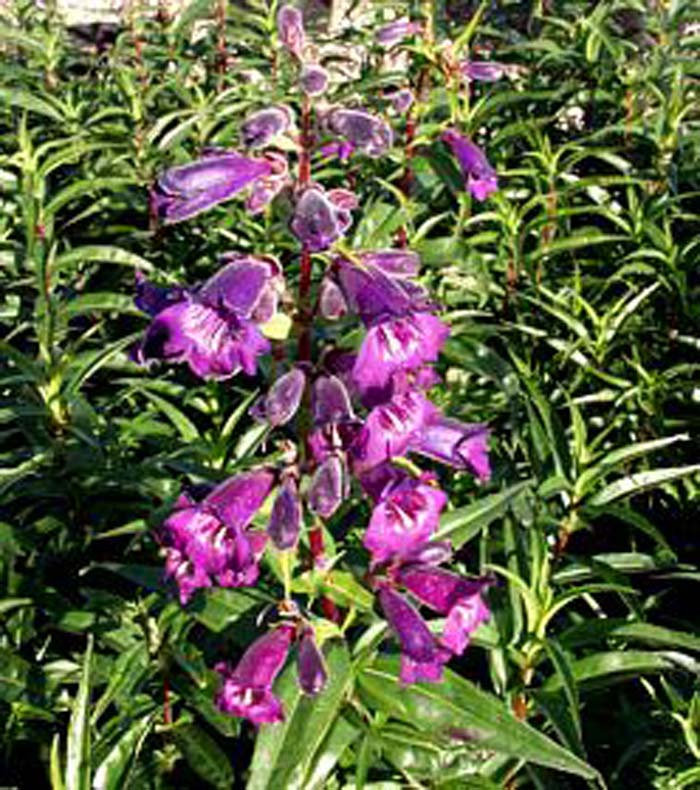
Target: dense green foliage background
{"type": "Point", "coordinates": [574, 297]}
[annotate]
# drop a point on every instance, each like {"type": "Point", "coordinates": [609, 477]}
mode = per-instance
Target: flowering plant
{"type": "Point", "coordinates": [352, 416]}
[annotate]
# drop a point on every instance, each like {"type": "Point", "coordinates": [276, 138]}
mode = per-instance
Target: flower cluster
{"type": "Point", "coordinates": [356, 414]}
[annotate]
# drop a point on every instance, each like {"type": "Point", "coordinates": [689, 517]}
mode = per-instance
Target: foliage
{"type": "Point", "coordinates": [573, 298]}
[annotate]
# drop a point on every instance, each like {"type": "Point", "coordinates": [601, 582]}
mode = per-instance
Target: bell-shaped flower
{"type": "Point", "coordinates": [388, 430]}
{"type": "Point", "coordinates": [335, 423]}
{"type": "Point", "coordinates": [404, 519]}
{"type": "Point", "coordinates": [321, 218]}
{"type": "Point", "coordinates": [185, 191]}
{"type": "Point", "coordinates": [422, 656]}
{"type": "Point", "coordinates": [396, 345]}
{"type": "Point", "coordinates": [290, 29]}
{"type": "Point", "coordinates": [368, 133]}
{"type": "Point", "coordinates": [246, 691]}
{"type": "Point", "coordinates": [263, 126]}
{"type": "Point", "coordinates": [480, 178]}
{"type": "Point", "coordinates": [282, 401]}
{"type": "Point", "coordinates": [210, 328]}
{"type": "Point", "coordinates": [483, 70]}
{"type": "Point", "coordinates": [451, 442]}
{"type": "Point", "coordinates": [285, 520]}
{"type": "Point", "coordinates": [395, 32]}
{"type": "Point", "coordinates": [459, 599]}
{"type": "Point", "coordinates": [342, 149]}
{"type": "Point", "coordinates": [313, 79]}
{"type": "Point", "coordinates": [328, 487]}
{"type": "Point", "coordinates": [207, 542]}
{"type": "Point", "coordinates": [401, 100]}
{"type": "Point", "coordinates": [311, 668]}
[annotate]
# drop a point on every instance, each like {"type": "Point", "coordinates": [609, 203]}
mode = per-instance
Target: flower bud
{"type": "Point", "coordinates": [290, 29]}
{"type": "Point", "coordinates": [311, 667]}
{"type": "Point", "coordinates": [285, 520]}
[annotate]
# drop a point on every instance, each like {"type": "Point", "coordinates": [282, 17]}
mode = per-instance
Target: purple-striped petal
{"type": "Point", "coordinates": [396, 345]}
{"type": "Point", "coordinates": [405, 519]}
{"type": "Point", "coordinates": [388, 430]}
{"type": "Point", "coordinates": [458, 444]}
{"type": "Point", "coordinates": [215, 343]}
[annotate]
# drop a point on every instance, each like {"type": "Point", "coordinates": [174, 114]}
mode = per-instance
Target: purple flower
{"type": "Point", "coordinates": [328, 487]}
{"type": "Point", "coordinates": [401, 100]}
{"type": "Point", "coordinates": [458, 444]}
{"type": "Point", "coordinates": [207, 541]}
{"type": "Point", "coordinates": [290, 29]}
{"type": "Point", "coordinates": [313, 79]}
{"type": "Point", "coordinates": [321, 218]}
{"type": "Point", "coordinates": [211, 328]}
{"type": "Point", "coordinates": [247, 690]}
{"type": "Point", "coordinates": [483, 70]}
{"type": "Point", "coordinates": [396, 345]}
{"type": "Point", "coordinates": [285, 520]}
{"type": "Point", "coordinates": [388, 430]}
{"type": "Point", "coordinates": [481, 178]}
{"type": "Point", "coordinates": [343, 150]}
{"type": "Point", "coordinates": [282, 401]}
{"type": "Point", "coordinates": [335, 423]}
{"type": "Point", "coordinates": [395, 32]}
{"type": "Point", "coordinates": [259, 128]}
{"type": "Point", "coordinates": [422, 656]}
{"type": "Point", "coordinates": [403, 520]}
{"type": "Point", "coordinates": [311, 668]}
{"type": "Point", "coordinates": [367, 132]}
{"type": "Point", "coordinates": [458, 598]}
{"type": "Point", "coordinates": [247, 285]}
{"type": "Point", "coordinates": [185, 191]}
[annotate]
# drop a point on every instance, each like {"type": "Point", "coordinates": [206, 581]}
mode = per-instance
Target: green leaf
{"type": "Point", "coordinates": [78, 748]}
{"type": "Point", "coordinates": [458, 710]}
{"type": "Point", "coordinates": [101, 254]}
{"type": "Point", "coordinates": [602, 669]}
{"type": "Point", "coordinates": [113, 771]}
{"type": "Point", "coordinates": [461, 525]}
{"type": "Point", "coordinates": [204, 756]}
{"type": "Point", "coordinates": [341, 735]}
{"type": "Point", "coordinates": [218, 608]}
{"type": "Point", "coordinates": [641, 481]}
{"type": "Point", "coordinates": [285, 753]}
{"type": "Point", "coordinates": [622, 455]}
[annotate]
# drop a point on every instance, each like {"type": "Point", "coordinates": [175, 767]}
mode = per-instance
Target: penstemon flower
{"type": "Point", "coordinates": [350, 412]}
{"type": "Point", "coordinates": [480, 177]}
{"type": "Point", "coordinates": [185, 191]}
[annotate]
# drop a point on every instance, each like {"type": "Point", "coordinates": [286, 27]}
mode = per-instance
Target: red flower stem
{"type": "Point", "coordinates": [167, 710]}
